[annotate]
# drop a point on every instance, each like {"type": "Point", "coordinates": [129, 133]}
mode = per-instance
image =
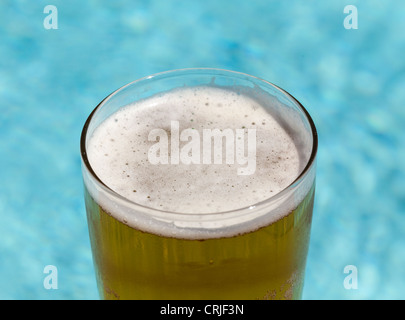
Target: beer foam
{"type": "Point", "coordinates": [119, 147]}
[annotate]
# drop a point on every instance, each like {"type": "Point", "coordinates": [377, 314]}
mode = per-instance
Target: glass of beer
{"type": "Point", "coordinates": [199, 184]}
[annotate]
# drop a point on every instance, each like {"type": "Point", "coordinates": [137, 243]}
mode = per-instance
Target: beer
{"type": "Point", "coordinates": [265, 264]}
{"type": "Point", "coordinates": [200, 192]}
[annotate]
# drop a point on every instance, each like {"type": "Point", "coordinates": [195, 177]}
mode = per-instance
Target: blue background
{"type": "Point", "coordinates": [351, 81]}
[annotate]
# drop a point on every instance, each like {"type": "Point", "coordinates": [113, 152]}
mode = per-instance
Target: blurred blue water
{"type": "Point", "coordinates": [351, 81]}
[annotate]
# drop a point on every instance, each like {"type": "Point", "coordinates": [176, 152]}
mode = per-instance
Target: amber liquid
{"type": "Point", "coordinates": [268, 263]}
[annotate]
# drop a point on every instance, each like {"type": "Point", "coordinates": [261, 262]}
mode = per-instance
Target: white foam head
{"type": "Point", "coordinates": [119, 153]}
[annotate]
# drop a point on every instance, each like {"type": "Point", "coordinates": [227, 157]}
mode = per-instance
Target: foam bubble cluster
{"type": "Point", "coordinates": [118, 152]}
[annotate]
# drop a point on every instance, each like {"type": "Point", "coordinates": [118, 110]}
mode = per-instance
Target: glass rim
{"type": "Point", "coordinates": [307, 168]}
